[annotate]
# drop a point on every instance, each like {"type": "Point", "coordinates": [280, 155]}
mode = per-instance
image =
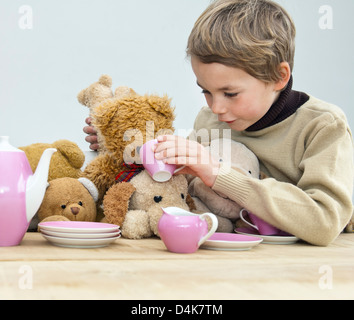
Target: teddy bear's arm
{"type": "Point", "coordinates": [71, 152]}
{"type": "Point", "coordinates": [217, 204]}
{"type": "Point", "coordinates": [116, 202]}
{"type": "Point", "coordinates": [102, 172]}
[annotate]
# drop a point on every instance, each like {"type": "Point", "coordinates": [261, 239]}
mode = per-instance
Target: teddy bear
{"type": "Point", "coordinates": [66, 162]}
{"type": "Point", "coordinates": [236, 156]}
{"type": "Point", "coordinates": [67, 199]}
{"type": "Point", "coordinates": [136, 205]}
{"type": "Point", "coordinates": [123, 123]}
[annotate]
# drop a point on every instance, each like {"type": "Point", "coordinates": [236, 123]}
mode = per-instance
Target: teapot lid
{"type": "Point", "coordinates": [6, 146]}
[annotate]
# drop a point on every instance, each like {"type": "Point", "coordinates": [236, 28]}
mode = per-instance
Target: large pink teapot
{"type": "Point", "coordinates": [21, 191]}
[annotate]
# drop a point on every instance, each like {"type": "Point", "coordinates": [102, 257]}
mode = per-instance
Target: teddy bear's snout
{"type": "Point", "coordinates": [75, 210]}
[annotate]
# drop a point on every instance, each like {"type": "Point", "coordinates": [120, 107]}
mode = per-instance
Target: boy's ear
{"type": "Point", "coordinates": [285, 72]}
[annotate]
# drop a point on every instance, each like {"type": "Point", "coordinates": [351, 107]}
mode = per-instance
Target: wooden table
{"type": "Point", "coordinates": [144, 269]}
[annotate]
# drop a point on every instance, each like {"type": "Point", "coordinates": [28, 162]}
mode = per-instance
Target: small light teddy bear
{"type": "Point", "coordinates": [237, 156]}
{"type": "Point", "coordinates": [136, 206]}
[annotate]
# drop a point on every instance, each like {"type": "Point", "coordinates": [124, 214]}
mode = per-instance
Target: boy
{"type": "Point", "coordinates": [242, 53]}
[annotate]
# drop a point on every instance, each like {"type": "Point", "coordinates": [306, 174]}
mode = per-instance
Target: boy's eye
{"type": "Point", "coordinates": [230, 95]}
{"type": "Point", "coordinates": [205, 91]}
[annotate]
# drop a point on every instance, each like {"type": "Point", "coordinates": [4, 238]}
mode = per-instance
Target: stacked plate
{"type": "Point", "coordinates": [79, 234]}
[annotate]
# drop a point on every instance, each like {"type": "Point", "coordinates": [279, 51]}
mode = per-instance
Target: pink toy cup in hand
{"type": "Point", "coordinates": [157, 169]}
{"type": "Point", "coordinates": [264, 228]}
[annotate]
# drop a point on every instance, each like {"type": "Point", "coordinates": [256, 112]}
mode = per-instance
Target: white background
{"type": "Point", "coordinates": [141, 44]}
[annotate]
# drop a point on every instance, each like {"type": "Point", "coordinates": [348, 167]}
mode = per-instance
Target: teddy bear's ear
{"type": "Point", "coordinates": [91, 188]}
{"type": "Point", "coordinates": [161, 105]}
{"type": "Point", "coordinates": [116, 202]}
{"type": "Point", "coordinates": [81, 97]}
{"type": "Point", "coordinates": [105, 80]}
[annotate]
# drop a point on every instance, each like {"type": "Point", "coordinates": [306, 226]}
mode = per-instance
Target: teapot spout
{"type": "Point", "coordinates": [37, 184]}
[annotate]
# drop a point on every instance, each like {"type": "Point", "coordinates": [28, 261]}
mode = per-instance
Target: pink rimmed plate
{"type": "Point", "coordinates": [231, 242]}
{"type": "Point", "coordinates": [78, 227]}
{"type": "Point", "coordinates": [275, 239]}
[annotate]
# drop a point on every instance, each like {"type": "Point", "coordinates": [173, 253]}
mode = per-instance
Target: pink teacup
{"type": "Point", "coordinates": [157, 169]}
{"type": "Point", "coordinates": [264, 228]}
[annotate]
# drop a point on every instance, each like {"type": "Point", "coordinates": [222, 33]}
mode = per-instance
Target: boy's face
{"type": "Point", "coordinates": [238, 99]}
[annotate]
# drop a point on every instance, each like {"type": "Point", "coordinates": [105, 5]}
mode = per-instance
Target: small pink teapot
{"type": "Point", "coordinates": [183, 231]}
{"type": "Point", "coordinates": [21, 191]}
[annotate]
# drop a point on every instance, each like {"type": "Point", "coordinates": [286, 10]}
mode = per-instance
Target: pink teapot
{"type": "Point", "coordinates": [21, 191]}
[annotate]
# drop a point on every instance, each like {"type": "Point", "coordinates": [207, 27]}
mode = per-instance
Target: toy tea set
{"type": "Point", "coordinates": [21, 194]}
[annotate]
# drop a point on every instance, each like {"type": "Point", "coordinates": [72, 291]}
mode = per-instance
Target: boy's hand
{"type": "Point", "coordinates": [92, 135]}
{"type": "Point", "coordinates": [191, 154]}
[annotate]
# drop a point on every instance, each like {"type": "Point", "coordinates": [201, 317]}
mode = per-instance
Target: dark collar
{"type": "Point", "coordinates": [287, 104]}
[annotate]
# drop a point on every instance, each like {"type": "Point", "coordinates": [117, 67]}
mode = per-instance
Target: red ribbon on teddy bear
{"type": "Point", "coordinates": [132, 170]}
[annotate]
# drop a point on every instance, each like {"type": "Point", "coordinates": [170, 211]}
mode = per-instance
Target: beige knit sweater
{"type": "Point", "coordinates": [308, 158]}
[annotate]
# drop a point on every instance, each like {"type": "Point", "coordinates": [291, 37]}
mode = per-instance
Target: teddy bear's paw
{"type": "Point", "coordinates": [55, 218]}
{"type": "Point", "coordinates": [225, 225]}
{"type": "Point", "coordinates": [153, 222]}
{"type": "Point", "coordinates": [136, 225]}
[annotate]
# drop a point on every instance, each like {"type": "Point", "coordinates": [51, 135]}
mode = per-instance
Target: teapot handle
{"type": "Point", "coordinates": [214, 226]}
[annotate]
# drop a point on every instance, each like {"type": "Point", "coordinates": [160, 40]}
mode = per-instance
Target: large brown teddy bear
{"type": "Point", "coordinates": [136, 205]}
{"type": "Point", "coordinates": [123, 124]}
{"type": "Point", "coordinates": [66, 162]}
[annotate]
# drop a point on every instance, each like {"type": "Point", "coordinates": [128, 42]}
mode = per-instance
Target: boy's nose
{"type": "Point", "coordinates": [217, 107]}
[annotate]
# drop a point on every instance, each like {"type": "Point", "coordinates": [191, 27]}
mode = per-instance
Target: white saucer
{"type": "Point", "coordinates": [81, 235]}
{"type": "Point", "coordinates": [286, 239]}
{"type": "Point", "coordinates": [79, 243]}
{"type": "Point", "coordinates": [231, 242]}
{"type": "Point", "coordinates": [78, 227]}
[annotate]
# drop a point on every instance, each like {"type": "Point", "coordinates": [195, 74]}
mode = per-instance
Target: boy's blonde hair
{"type": "Point", "coordinates": [252, 35]}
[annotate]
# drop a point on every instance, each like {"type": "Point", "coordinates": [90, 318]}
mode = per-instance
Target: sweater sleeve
{"type": "Point", "coordinates": [316, 208]}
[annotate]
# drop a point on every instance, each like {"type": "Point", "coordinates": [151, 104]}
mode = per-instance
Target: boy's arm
{"type": "Point", "coordinates": [319, 206]}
